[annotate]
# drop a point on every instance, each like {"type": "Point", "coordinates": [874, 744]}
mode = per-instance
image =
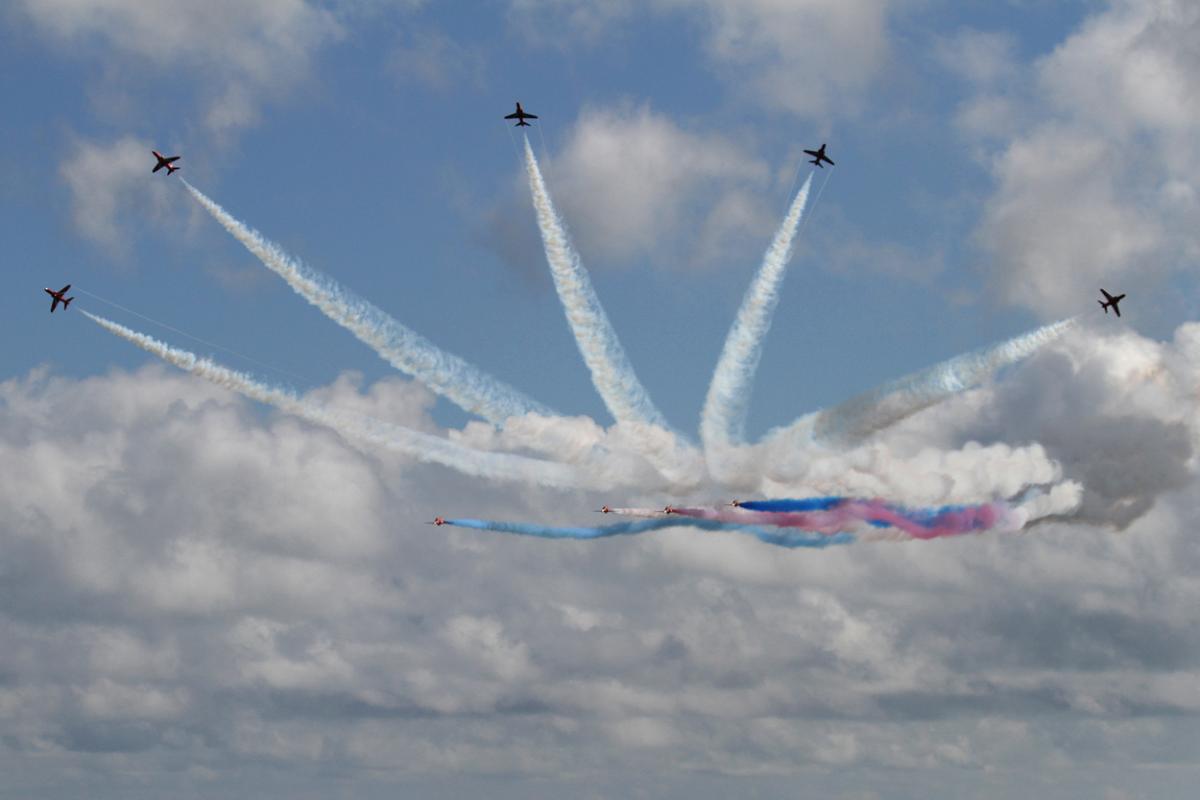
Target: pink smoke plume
{"type": "Point", "coordinates": [850, 514]}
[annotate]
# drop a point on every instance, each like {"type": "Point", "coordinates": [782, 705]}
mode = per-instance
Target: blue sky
{"type": "Point", "coordinates": [205, 596]}
{"type": "Point", "coordinates": [388, 175]}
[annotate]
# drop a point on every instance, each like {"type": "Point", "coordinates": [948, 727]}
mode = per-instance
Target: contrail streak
{"type": "Point", "coordinates": [612, 375]}
{"type": "Point", "coordinates": [459, 382]}
{"type": "Point", "coordinates": [852, 421]}
{"type": "Point", "coordinates": [422, 446]}
{"type": "Point", "coordinates": [724, 416]}
{"type": "Point", "coordinates": [778, 538]}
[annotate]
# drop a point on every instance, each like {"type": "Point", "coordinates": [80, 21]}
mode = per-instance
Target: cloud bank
{"type": "Point", "coordinates": [187, 578]}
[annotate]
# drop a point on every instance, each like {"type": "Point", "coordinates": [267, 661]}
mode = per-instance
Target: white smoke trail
{"type": "Point", "coordinates": [723, 419]}
{"type": "Point", "coordinates": [463, 384]}
{"type": "Point", "coordinates": [422, 446]}
{"type": "Point", "coordinates": [612, 374]}
{"type": "Point", "coordinates": [852, 421]}
{"type": "Point", "coordinates": [646, 513]}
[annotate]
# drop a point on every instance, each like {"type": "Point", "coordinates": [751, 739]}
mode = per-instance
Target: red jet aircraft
{"type": "Point", "coordinates": [1113, 302]}
{"type": "Point", "coordinates": [520, 116]}
{"type": "Point", "coordinates": [58, 297]}
{"type": "Point", "coordinates": [165, 161]}
{"type": "Point", "coordinates": [818, 156]}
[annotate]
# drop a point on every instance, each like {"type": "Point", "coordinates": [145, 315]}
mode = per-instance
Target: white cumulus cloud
{"type": "Point", "coordinates": [239, 51]}
{"type": "Point", "coordinates": [187, 578]}
{"type": "Point", "coordinates": [633, 183]}
{"type": "Point", "coordinates": [1096, 158]}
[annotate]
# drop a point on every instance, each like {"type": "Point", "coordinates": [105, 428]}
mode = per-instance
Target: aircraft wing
{"type": "Point", "coordinates": [513, 115]}
{"type": "Point", "coordinates": [159, 166]}
{"type": "Point", "coordinates": [829, 161]}
{"type": "Point", "coordinates": [812, 153]}
{"type": "Point", "coordinates": [1117, 309]}
{"type": "Point", "coordinates": [63, 290]}
{"type": "Point", "coordinates": [531, 116]}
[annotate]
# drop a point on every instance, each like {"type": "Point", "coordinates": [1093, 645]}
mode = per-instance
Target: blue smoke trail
{"type": "Point", "coordinates": [819, 513]}
{"type": "Point", "coordinates": [784, 504]}
{"type": "Point", "coordinates": [789, 539]}
{"type": "Point", "coordinates": [921, 516]}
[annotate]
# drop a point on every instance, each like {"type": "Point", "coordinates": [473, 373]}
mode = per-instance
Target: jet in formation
{"type": "Point", "coordinates": [437, 521]}
{"type": "Point", "coordinates": [165, 161]}
{"type": "Point", "coordinates": [604, 510]}
{"type": "Point", "coordinates": [1113, 302]}
{"type": "Point", "coordinates": [520, 116]}
{"type": "Point", "coordinates": [59, 297]}
{"type": "Point", "coordinates": [818, 156]}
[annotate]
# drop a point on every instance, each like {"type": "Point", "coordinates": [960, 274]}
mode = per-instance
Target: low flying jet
{"type": "Point", "coordinates": [1113, 302]}
{"type": "Point", "coordinates": [165, 161]}
{"type": "Point", "coordinates": [437, 521]}
{"type": "Point", "coordinates": [735, 503]}
{"type": "Point", "coordinates": [818, 156]}
{"type": "Point", "coordinates": [670, 510]}
{"type": "Point", "coordinates": [604, 510]}
{"type": "Point", "coordinates": [520, 116]}
{"type": "Point", "coordinates": [58, 297]}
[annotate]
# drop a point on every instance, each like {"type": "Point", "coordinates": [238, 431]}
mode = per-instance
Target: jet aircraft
{"type": "Point", "coordinates": [437, 521]}
{"type": "Point", "coordinates": [818, 156]}
{"type": "Point", "coordinates": [604, 510]}
{"type": "Point", "coordinates": [735, 503]}
{"type": "Point", "coordinates": [1113, 302]}
{"type": "Point", "coordinates": [520, 116]}
{"type": "Point", "coordinates": [165, 161]}
{"type": "Point", "coordinates": [58, 298]}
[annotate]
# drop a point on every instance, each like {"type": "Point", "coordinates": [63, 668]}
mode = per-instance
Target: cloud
{"type": "Point", "coordinates": [552, 22]}
{"type": "Point", "coordinates": [435, 61]}
{"type": "Point", "coordinates": [187, 577]}
{"type": "Point", "coordinates": [239, 51]}
{"type": "Point", "coordinates": [111, 191]}
{"type": "Point", "coordinates": [812, 58]}
{"type": "Point", "coordinates": [1063, 221]}
{"type": "Point", "coordinates": [1095, 158]}
{"type": "Point", "coordinates": [633, 184]}
{"type": "Point", "coordinates": [980, 57]}
{"type": "Point", "coordinates": [1114, 411]}
{"type": "Point", "coordinates": [815, 58]}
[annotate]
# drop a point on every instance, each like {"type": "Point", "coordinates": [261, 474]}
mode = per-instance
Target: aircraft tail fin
{"type": "Point", "coordinates": [1103, 305]}
{"type": "Point", "coordinates": [67, 302]}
